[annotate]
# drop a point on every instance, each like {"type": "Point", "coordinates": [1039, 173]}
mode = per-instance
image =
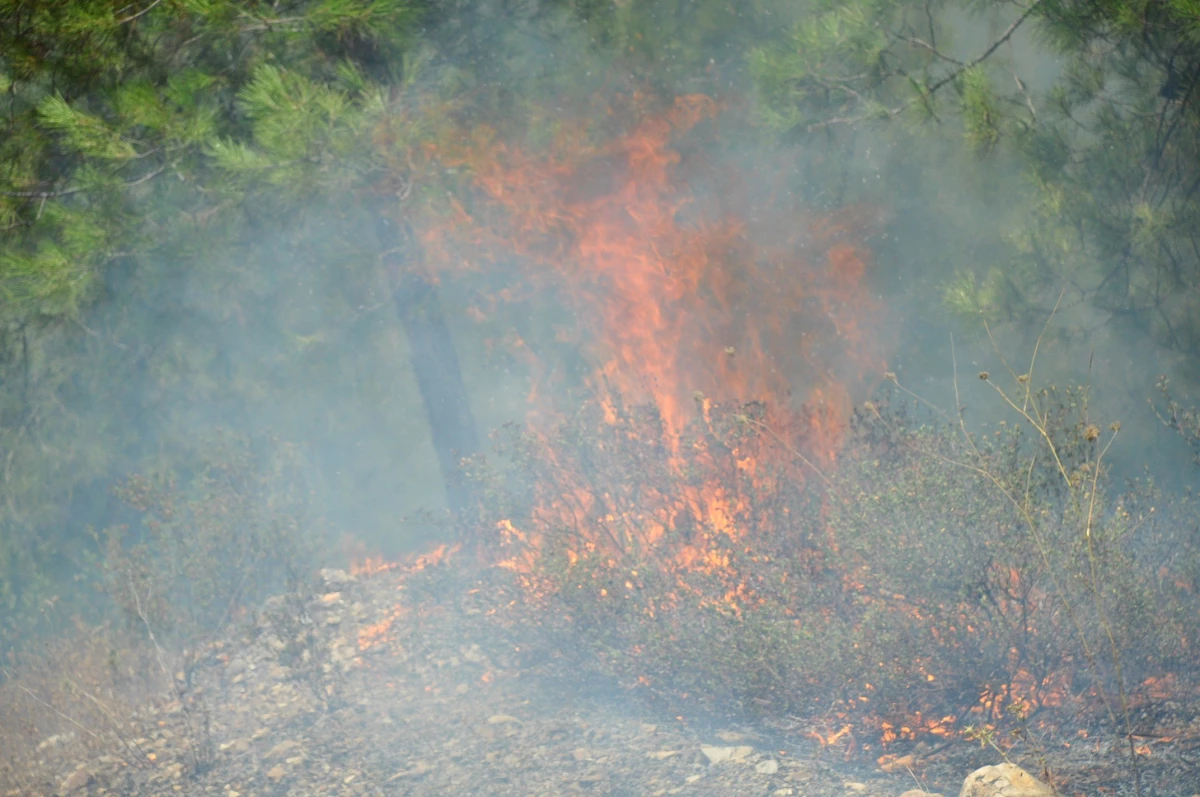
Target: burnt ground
{"type": "Point", "coordinates": [447, 699]}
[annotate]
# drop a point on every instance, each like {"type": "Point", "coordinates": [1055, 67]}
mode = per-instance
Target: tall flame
{"type": "Point", "coordinates": [673, 295]}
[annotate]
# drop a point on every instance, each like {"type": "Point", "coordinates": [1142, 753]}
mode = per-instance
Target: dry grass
{"type": "Point", "coordinates": [75, 697]}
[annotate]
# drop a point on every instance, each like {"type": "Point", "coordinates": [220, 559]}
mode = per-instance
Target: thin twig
{"type": "Point", "coordinates": [67, 717]}
{"type": "Point", "coordinates": [145, 10]}
{"type": "Point", "coordinates": [1104, 622]}
{"type": "Point", "coordinates": [791, 449]}
{"type": "Point", "coordinates": [1037, 345]}
{"type": "Point", "coordinates": [81, 189]}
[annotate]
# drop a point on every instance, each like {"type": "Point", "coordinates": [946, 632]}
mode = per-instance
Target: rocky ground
{"type": "Point", "coordinates": [366, 689]}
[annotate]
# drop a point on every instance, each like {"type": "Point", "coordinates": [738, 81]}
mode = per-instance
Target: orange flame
{"type": "Point", "coordinates": [673, 296]}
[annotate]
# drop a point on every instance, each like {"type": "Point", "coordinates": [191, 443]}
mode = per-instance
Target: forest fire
{"type": "Point", "coordinates": [684, 483]}
{"type": "Point", "coordinates": [677, 304]}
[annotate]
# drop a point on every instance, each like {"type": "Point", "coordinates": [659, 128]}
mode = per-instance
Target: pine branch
{"type": "Point", "coordinates": [144, 11]}
{"type": "Point", "coordinates": [82, 189]}
{"type": "Point", "coordinates": [954, 74]}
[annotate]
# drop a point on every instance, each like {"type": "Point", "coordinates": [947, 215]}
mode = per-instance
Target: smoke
{"type": "Point", "coordinates": [294, 335]}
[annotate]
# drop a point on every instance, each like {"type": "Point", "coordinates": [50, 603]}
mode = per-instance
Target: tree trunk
{"type": "Point", "coordinates": [434, 359]}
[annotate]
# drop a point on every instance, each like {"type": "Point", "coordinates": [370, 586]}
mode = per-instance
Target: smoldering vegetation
{"type": "Point", "coordinates": [825, 368]}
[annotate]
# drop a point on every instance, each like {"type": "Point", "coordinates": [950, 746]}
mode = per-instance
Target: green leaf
{"type": "Point", "coordinates": [82, 132]}
{"type": "Point", "coordinates": [980, 110]}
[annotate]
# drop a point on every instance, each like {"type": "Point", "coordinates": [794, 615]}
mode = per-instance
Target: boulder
{"type": "Point", "coordinates": [1003, 780]}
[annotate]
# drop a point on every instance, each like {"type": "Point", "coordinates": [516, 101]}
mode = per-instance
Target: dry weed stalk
{"type": "Point", "coordinates": [1025, 405]}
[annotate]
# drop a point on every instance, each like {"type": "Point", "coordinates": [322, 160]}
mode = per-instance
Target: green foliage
{"type": "Point", "coordinates": [824, 66]}
{"type": "Point", "coordinates": [130, 133]}
{"type": "Point", "coordinates": [993, 299]}
{"type": "Point", "coordinates": [980, 110]}
{"type": "Point", "coordinates": [1112, 146]}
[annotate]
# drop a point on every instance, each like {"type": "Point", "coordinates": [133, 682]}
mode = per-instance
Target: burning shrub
{"type": "Point", "coordinates": [930, 574]}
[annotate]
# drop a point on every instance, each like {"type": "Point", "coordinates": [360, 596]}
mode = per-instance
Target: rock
{"type": "Point", "coordinates": [56, 740]}
{"type": "Point", "coordinates": [854, 786]}
{"type": "Point", "coordinates": [920, 793]}
{"type": "Point", "coordinates": [734, 736]}
{"type": "Point", "coordinates": [784, 792]}
{"type": "Point", "coordinates": [1003, 780]}
{"type": "Point", "coordinates": [502, 719]}
{"type": "Point", "coordinates": [281, 749]}
{"type": "Point", "coordinates": [275, 773]}
{"type": "Point", "coordinates": [237, 745]}
{"type": "Point", "coordinates": [768, 767]}
{"type": "Point", "coordinates": [662, 755]}
{"type": "Point", "coordinates": [416, 771]}
{"type": "Point", "coordinates": [716, 755]}
{"type": "Point", "coordinates": [901, 764]}
{"type": "Point", "coordinates": [79, 779]}
{"type": "Point", "coordinates": [692, 778]}
{"type": "Point", "coordinates": [333, 577]}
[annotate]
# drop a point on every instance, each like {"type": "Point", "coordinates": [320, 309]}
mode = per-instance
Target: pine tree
{"type": "Point", "coordinates": [157, 156]}
{"type": "Point", "coordinates": [1112, 148]}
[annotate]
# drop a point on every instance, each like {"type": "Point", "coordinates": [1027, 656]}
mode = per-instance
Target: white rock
{"type": "Point", "coordinates": [79, 779]}
{"type": "Point", "coordinates": [55, 740]}
{"type": "Point", "coordinates": [332, 577]}
{"type": "Point", "coordinates": [501, 719]}
{"type": "Point", "coordinates": [282, 749]}
{"type": "Point", "coordinates": [716, 755]}
{"type": "Point", "coordinates": [734, 736]}
{"type": "Point", "coordinates": [768, 767]}
{"type": "Point", "coordinates": [1003, 780]}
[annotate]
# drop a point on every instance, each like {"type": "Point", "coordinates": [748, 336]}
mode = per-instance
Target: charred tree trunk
{"type": "Point", "coordinates": [434, 359]}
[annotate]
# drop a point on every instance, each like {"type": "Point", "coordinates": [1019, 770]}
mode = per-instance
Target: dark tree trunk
{"type": "Point", "coordinates": [434, 359]}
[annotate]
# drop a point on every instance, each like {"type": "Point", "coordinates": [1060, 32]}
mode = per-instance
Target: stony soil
{"type": "Point", "coordinates": [393, 693]}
